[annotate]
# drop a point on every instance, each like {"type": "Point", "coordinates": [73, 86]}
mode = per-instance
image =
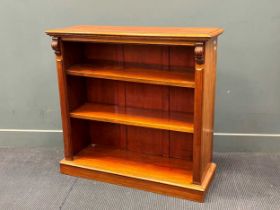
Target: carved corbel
{"type": "Point", "coordinates": [199, 53]}
{"type": "Point", "coordinates": [56, 45]}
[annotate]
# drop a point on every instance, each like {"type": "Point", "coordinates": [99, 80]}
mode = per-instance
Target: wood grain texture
{"type": "Point", "coordinates": [172, 32]}
{"type": "Point", "coordinates": [159, 169]}
{"type": "Point", "coordinates": [134, 74]}
{"type": "Point", "coordinates": [136, 35]}
{"type": "Point", "coordinates": [145, 56]}
{"type": "Point", "coordinates": [181, 99]}
{"type": "Point", "coordinates": [204, 108]}
{"type": "Point", "coordinates": [161, 175]}
{"type": "Point", "coordinates": [73, 53]}
{"type": "Point", "coordinates": [137, 117]}
{"type": "Point", "coordinates": [209, 81]}
{"type": "Point", "coordinates": [131, 56]}
{"type": "Point", "coordinates": [153, 97]}
{"type": "Point", "coordinates": [105, 91]}
{"type": "Point", "coordinates": [105, 134]}
{"type": "Point", "coordinates": [103, 53]}
{"type": "Point", "coordinates": [80, 138]}
{"type": "Point", "coordinates": [67, 167]}
{"type": "Point", "coordinates": [181, 145]}
{"type": "Point", "coordinates": [63, 94]}
{"type": "Point", "coordinates": [76, 89]}
{"type": "Point", "coordinates": [148, 141]}
{"type": "Point", "coordinates": [181, 58]}
{"type": "Point", "coordinates": [198, 102]}
{"type": "Point", "coordinates": [138, 139]}
{"type": "Point", "coordinates": [137, 106]}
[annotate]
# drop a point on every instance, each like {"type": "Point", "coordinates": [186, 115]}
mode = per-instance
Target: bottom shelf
{"type": "Point", "coordinates": [151, 173]}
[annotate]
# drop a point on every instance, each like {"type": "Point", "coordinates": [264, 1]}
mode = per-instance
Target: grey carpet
{"type": "Point", "coordinates": [29, 179]}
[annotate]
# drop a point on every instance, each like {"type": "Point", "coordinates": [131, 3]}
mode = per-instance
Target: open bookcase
{"type": "Point", "coordinates": [137, 106]}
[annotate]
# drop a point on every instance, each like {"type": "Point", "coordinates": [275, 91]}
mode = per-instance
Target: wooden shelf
{"type": "Point", "coordinates": [143, 98]}
{"type": "Point", "coordinates": [173, 121]}
{"type": "Point", "coordinates": [133, 74]}
{"type": "Point", "coordinates": [174, 172]}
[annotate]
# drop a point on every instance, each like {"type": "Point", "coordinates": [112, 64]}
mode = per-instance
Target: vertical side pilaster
{"type": "Point", "coordinates": [62, 84]}
{"type": "Point", "coordinates": [198, 102]}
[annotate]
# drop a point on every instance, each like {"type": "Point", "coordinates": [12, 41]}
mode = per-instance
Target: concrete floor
{"type": "Point", "coordinates": [30, 179]}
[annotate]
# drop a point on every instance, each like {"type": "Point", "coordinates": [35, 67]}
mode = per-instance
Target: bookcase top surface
{"type": "Point", "coordinates": [176, 32]}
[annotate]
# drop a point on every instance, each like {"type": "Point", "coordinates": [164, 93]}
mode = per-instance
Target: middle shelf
{"type": "Point", "coordinates": [135, 74]}
{"type": "Point", "coordinates": [174, 121]}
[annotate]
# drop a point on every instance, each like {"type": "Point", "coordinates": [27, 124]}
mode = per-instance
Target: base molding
{"type": "Point", "coordinates": [192, 192]}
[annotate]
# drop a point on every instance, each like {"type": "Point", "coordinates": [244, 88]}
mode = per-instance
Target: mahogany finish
{"type": "Point", "coordinates": [137, 105]}
{"type": "Point", "coordinates": [137, 117]}
{"type": "Point", "coordinates": [141, 75]}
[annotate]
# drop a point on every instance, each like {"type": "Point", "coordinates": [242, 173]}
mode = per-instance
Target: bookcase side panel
{"type": "Point", "coordinates": [208, 106]}
{"type": "Point", "coordinates": [57, 46]}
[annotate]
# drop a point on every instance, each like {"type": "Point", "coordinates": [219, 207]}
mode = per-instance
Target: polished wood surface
{"type": "Point", "coordinates": [136, 35]}
{"type": "Point", "coordinates": [63, 94]}
{"type": "Point", "coordinates": [198, 98]}
{"type": "Point", "coordinates": [137, 106]}
{"type": "Point", "coordinates": [137, 31]}
{"type": "Point", "coordinates": [130, 74]}
{"type": "Point", "coordinates": [191, 192]}
{"type": "Point", "coordinates": [159, 169]}
{"type": "Point", "coordinates": [161, 175]}
{"type": "Point", "coordinates": [170, 144]}
{"type": "Point", "coordinates": [208, 107]}
{"type": "Point", "coordinates": [130, 55]}
{"type": "Point", "coordinates": [173, 121]}
{"type": "Point", "coordinates": [155, 97]}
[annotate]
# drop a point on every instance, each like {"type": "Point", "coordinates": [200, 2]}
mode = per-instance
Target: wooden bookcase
{"type": "Point", "coordinates": [137, 105]}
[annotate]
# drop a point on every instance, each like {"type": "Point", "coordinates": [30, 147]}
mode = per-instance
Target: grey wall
{"type": "Point", "coordinates": [247, 99]}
